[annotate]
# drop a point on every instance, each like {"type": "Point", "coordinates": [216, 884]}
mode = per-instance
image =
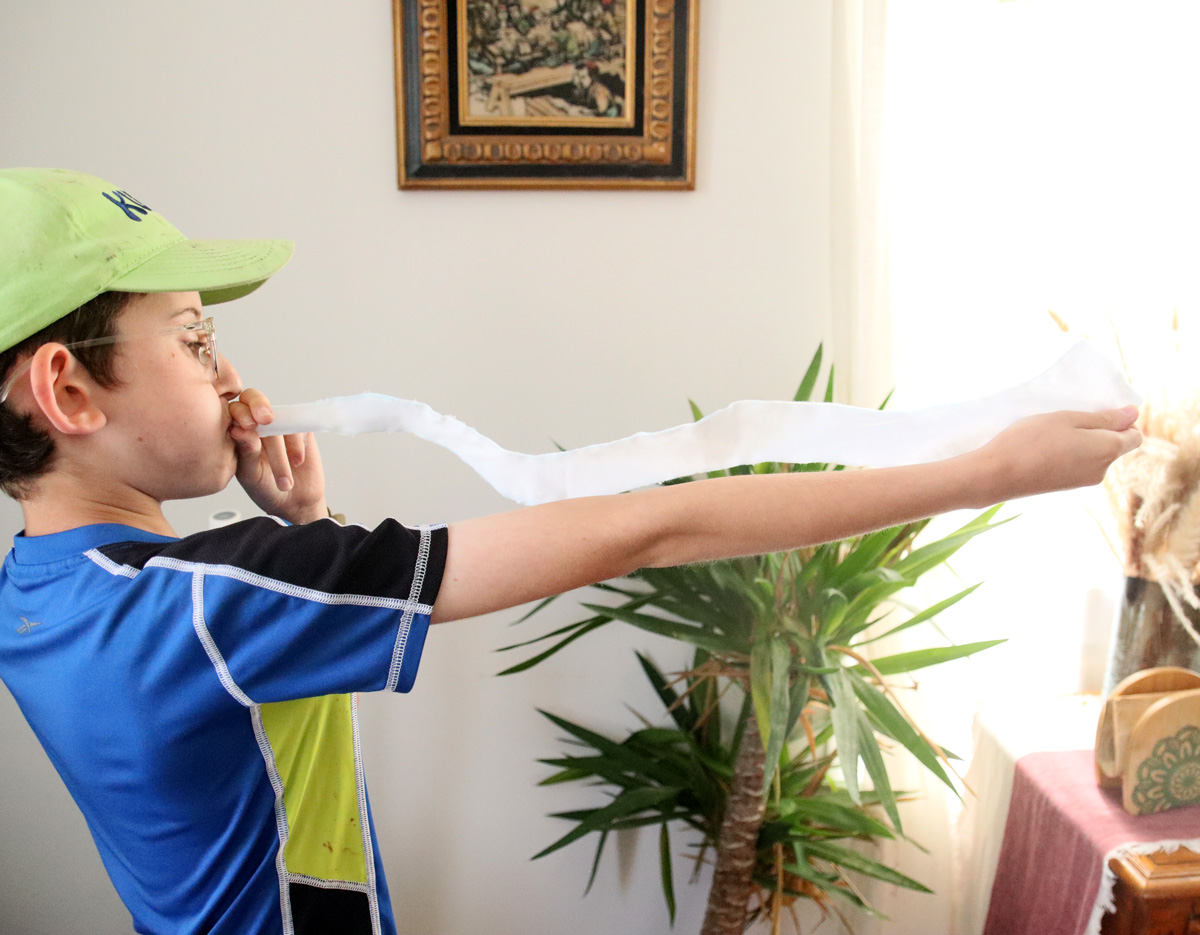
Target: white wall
{"type": "Point", "coordinates": [572, 316]}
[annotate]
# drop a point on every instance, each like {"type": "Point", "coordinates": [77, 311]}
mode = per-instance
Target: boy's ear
{"type": "Point", "coordinates": [64, 391]}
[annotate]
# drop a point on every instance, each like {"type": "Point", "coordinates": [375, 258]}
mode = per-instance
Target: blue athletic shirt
{"type": "Point", "coordinates": [197, 697]}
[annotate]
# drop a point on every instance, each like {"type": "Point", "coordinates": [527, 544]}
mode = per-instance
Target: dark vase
{"type": "Point", "coordinates": [1148, 634]}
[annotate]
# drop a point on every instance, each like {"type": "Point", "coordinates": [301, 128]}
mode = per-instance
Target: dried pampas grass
{"type": "Point", "coordinates": [1154, 493]}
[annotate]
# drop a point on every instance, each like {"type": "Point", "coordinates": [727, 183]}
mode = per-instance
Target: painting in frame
{"type": "Point", "coordinates": [546, 93]}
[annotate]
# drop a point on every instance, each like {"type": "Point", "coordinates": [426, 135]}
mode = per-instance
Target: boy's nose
{"type": "Point", "coordinates": [229, 384]}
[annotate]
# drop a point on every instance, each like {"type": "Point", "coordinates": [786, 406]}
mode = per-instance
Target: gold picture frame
{"type": "Point", "coordinates": [546, 93]}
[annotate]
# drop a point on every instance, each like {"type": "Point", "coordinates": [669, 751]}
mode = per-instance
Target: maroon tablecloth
{"type": "Point", "coordinates": [1060, 832]}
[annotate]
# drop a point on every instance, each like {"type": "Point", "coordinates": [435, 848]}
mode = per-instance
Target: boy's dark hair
{"type": "Point", "coordinates": [26, 452]}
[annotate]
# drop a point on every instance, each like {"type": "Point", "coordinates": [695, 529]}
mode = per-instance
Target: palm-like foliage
{"type": "Point", "coordinates": [790, 632]}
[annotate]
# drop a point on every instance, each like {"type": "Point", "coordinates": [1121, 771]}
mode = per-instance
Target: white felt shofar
{"type": "Point", "coordinates": [744, 432]}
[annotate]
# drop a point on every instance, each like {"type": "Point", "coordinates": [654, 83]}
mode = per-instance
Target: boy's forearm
{"type": "Point", "coordinates": [510, 558]}
{"type": "Point", "coordinates": [750, 515]}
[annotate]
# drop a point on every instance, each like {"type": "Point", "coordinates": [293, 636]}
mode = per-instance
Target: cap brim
{"type": "Point", "coordinates": [220, 270]}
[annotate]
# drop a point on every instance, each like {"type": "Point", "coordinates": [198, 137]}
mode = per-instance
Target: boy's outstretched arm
{"type": "Point", "coordinates": [510, 558]}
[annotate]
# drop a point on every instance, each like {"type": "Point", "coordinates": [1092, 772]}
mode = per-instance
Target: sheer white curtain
{"type": "Point", "coordinates": [859, 261]}
{"type": "Point", "coordinates": [862, 333]}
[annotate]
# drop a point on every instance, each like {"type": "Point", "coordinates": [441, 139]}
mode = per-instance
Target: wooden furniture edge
{"type": "Point", "coordinates": [1159, 875]}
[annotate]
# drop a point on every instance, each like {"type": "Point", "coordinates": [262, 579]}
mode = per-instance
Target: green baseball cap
{"type": "Point", "coordinates": [65, 237]}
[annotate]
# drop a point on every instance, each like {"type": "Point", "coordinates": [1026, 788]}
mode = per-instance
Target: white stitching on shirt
{"type": "Point", "coordinates": [109, 565]}
{"type": "Point", "coordinates": [292, 590]}
{"type": "Point", "coordinates": [364, 820]}
{"type": "Point", "coordinates": [327, 884]}
{"type": "Point", "coordinates": [281, 822]}
{"type": "Point", "coordinates": [283, 587]}
{"type": "Point", "coordinates": [210, 646]}
{"type": "Point", "coordinates": [414, 592]}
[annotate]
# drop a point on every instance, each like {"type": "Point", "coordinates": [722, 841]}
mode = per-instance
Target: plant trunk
{"type": "Point", "coordinates": [737, 851]}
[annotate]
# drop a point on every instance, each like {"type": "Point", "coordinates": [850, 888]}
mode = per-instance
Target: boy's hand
{"type": "Point", "coordinates": [1056, 451]}
{"type": "Point", "coordinates": [282, 473]}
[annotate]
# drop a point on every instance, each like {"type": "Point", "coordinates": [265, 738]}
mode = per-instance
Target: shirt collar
{"type": "Point", "coordinates": [39, 550]}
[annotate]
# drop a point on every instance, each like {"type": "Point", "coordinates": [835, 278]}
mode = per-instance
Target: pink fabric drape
{"type": "Point", "coordinates": [1060, 832]}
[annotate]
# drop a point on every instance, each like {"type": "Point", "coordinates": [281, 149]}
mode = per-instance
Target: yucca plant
{"type": "Point", "coordinates": [782, 689]}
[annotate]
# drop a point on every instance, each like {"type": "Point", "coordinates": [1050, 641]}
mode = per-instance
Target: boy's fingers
{"type": "Point", "coordinates": [252, 409]}
{"type": "Point", "coordinates": [1123, 423]}
{"type": "Point", "coordinates": [248, 443]}
{"type": "Point", "coordinates": [1130, 439]}
{"type": "Point", "coordinates": [278, 459]}
{"type": "Point", "coordinates": [1123, 418]}
{"type": "Point", "coordinates": [240, 413]}
{"type": "Point", "coordinates": [258, 405]}
{"type": "Point", "coordinates": [1118, 420]}
{"type": "Point", "coordinates": [295, 448]}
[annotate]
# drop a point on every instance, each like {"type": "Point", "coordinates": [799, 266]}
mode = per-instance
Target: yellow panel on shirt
{"type": "Point", "coordinates": [313, 743]}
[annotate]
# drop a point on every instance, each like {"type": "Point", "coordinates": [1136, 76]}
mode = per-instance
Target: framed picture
{"type": "Point", "coordinates": [546, 93]}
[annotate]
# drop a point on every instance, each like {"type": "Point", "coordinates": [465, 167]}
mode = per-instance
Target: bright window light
{"type": "Point", "coordinates": [1039, 155]}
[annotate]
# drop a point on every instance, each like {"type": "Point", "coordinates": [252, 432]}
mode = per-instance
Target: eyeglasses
{"type": "Point", "coordinates": [204, 347]}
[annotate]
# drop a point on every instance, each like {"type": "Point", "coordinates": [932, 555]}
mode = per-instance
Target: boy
{"type": "Point", "coordinates": [197, 694]}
